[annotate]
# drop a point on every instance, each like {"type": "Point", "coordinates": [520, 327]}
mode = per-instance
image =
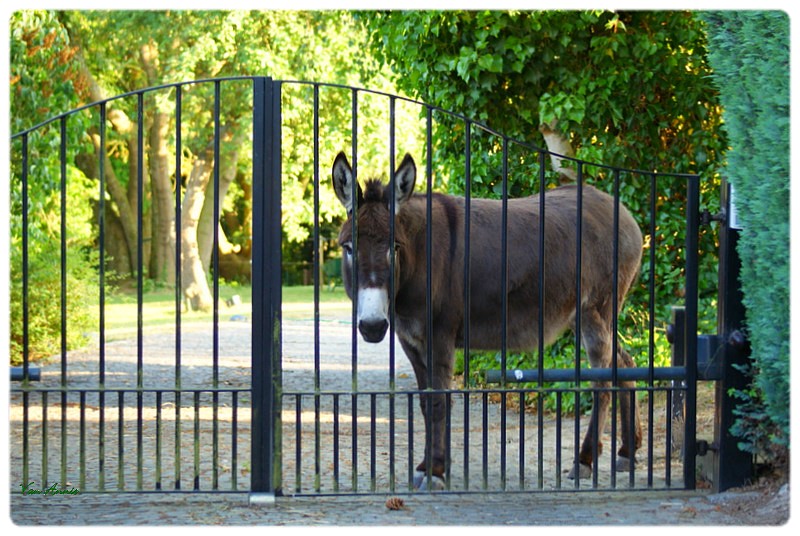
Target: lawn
{"type": "Point", "coordinates": [158, 307]}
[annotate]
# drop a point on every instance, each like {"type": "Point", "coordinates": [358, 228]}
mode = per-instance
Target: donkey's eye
{"type": "Point", "coordinates": [347, 247]}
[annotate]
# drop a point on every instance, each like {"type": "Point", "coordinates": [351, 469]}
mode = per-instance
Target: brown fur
{"type": "Point", "coordinates": [523, 265]}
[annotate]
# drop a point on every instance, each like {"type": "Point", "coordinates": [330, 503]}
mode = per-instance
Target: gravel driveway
{"type": "Point", "coordinates": [158, 440]}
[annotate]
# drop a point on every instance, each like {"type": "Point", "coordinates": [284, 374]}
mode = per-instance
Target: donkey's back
{"type": "Point", "coordinates": [524, 263]}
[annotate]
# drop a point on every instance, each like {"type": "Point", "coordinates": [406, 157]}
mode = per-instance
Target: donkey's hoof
{"type": "Point", "coordinates": [584, 471]}
{"type": "Point", "coordinates": [421, 482]}
{"type": "Point", "coordinates": [624, 465]}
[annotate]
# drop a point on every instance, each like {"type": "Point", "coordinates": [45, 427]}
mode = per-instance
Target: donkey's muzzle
{"type": "Point", "coordinates": [373, 330]}
{"type": "Point", "coordinates": [373, 317]}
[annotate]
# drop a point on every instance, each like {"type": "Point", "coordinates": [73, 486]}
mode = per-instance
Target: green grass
{"type": "Point", "coordinates": [158, 307]}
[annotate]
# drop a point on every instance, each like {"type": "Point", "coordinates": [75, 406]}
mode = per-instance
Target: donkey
{"type": "Point", "coordinates": [485, 327]}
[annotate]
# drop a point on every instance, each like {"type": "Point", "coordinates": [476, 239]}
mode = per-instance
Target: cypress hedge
{"type": "Point", "coordinates": [749, 52]}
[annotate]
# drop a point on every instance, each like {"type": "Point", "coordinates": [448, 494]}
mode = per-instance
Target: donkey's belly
{"type": "Point", "coordinates": [521, 331]}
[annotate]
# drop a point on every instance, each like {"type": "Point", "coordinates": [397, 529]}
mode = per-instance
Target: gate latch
{"type": "Point", "coordinates": [706, 217]}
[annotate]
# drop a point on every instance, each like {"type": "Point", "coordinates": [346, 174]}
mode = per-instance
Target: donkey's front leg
{"type": "Point", "coordinates": [434, 407]}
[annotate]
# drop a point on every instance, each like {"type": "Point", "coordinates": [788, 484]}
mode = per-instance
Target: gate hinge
{"type": "Point", "coordinates": [706, 217]}
{"type": "Point", "coordinates": [703, 446]}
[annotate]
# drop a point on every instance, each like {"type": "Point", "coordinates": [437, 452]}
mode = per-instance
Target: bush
{"type": "Point", "coordinates": [44, 263]}
{"type": "Point", "coordinates": [44, 302]}
{"type": "Point", "coordinates": [749, 52]}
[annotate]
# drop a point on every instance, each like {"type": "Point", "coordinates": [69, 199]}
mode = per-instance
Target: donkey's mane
{"type": "Point", "coordinates": [373, 190]}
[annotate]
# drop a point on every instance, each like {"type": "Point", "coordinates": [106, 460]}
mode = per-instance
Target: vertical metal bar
{"type": "Point", "coordinates": [82, 435]}
{"type": "Point", "coordinates": [732, 466]}
{"type": "Point", "coordinates": [234, 440]}
{"type": "Point", "coordinates": [373, 441]}
{"type": "Point", "coordinates": [576, 434]}
{"type": "Point", "coordinates": [354, 281]}
{"type": "Point", "coordinates": [615, 328]}
{"type": "Point", "coordinates": [196, 442]}
{"type": "Point", "coordinates": [215, 280]}
{"type": "Point", "coordinates": [139, 439]}
{"type": "Point", "coordinates": [651, 346]}
{"type": "Point", "coordinates": [429, 337]}
{"type": "Point", "coordinates": [504, 312]}
{"type": "Point", "coordinates": [45, 429]}
{"type": "Point", "coordinates": [692, 231]}
{"type": "Point", "coordinates": [578, 303]}
{"type": "Point", "coordinates": [522, 440]}
{"type": "Point", "coordinates": [578, 262]}
{"type": "Point", "coordinates": [140, 285]}
{"type": "Point", "coordinates": [25, 292]}
{"type": "Point", "coordinates": [631, 416]}
{"type": "Point", "coordinates": [298, 441]}
{"type": "Point", "coordinates": [266, 287]}
{"type": "Point", "coordinates": [25, 315]}
{"type": "Point", "coordinates": [336, 442]}
{"type": "Point", "coordinates": [318, 262]}
{"type": "Point", "coordinates": [178, 278]}
{"type": "Point", "coordinates": [101, 440]}
{"type": "Point", "coordinates": [485, 433]}
{"type": "Point", "coordinates": [63, 238]}
{"type": "Point", "coordinates": [392, 292]}
{"type": "Point", "coordinates": [668, 442]}
{"type": "Point", "coordinates": [596, 442]}
{"type": "Point", "coordinates": [447, 439]}
{"type": "Point", "coordinates": [101, 168]}
{"type": "Point", "coordinates": [411, 441]}
{"type": "Point", "coordinates": [139, 237]}
{"type": "Point", "coordinates": [467, 283]}
{"type": "Point", "coordinates": [504, 270]}
{"type": "Point", "coordinates": [158, 440]}
{"type": "Point", "coordinates": [503, 423]}
{"type": "Point", "coordinates": [121, 441]}
{"type": "Point", "coordinates": [540, 327]}
{"type": "Point", "coordinates": [558, 442]}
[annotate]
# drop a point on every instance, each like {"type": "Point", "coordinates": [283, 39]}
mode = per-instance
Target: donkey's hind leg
{"type": "Point", "coordinates": [629, 419]}
{"type": "Point", "coordinates": [596, 337]}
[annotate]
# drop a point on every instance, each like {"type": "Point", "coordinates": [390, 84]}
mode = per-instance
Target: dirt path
{"type": "Point", "coordinates": [161, 441]}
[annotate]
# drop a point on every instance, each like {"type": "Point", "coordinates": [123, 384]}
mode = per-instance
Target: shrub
{"type": "Point", "coordinates": [749, 52]}
{"type": "Point", "coordinates": [44, 302]}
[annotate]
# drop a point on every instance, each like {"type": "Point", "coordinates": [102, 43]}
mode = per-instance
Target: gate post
{"type": "Point", "coordinates": [266, 288]}
{"type": "Point", "coordinates": [732, 466]}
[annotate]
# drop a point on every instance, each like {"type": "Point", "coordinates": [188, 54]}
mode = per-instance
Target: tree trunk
{"type": "Point", "coordinates": [122, 125]}
{"type": "Point", "coordinates": [193, 275]}
{"type": "Point", "coordinates": [120, 225]}
{"type": "Point", "coordinates": [558, 145]}
{"type": "Point", "coordinates": [205, 235]}
{"type": "Point", "coordinates": [162, 206]}
{"type": "Point", "coordinates": [158, 159]}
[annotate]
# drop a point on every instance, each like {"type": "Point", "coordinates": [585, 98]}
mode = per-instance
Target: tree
{"type": "Point", "coordinates": [623, 89]}
{"type": "Point", "coordinates": [118, 52]}
{"type": "Point", "coordinates": [46, 79]}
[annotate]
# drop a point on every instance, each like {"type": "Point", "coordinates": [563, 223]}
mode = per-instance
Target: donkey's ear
{"type": "Point", "coordinates": [404, 179]}
{"type": "Point", "coordinates": [343, 182]}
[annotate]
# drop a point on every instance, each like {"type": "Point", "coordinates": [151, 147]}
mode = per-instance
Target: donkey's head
{"type": "Point", "coordinates": [371, 251]}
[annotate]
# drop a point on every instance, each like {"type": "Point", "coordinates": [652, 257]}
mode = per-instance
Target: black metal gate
{"type": "Point", "coordinates": [294, 403]}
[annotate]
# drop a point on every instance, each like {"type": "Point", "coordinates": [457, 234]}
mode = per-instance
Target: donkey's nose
{"type": "Point", "coordinates": [373, 330]}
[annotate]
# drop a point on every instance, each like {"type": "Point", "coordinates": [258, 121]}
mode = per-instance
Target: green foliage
{"type": "Point", "coordinates": [624, 89]}
{"type": "Point", "coordinates": [322, 46]}
{"type": "Point", "coordinates": [584, 70]}
{"type": "Point", "coordinates": [750, 55]}
{"type": "Point", "coordinates": [45, 80]}
{"type": "Point", "coordinates": [44, 271]}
